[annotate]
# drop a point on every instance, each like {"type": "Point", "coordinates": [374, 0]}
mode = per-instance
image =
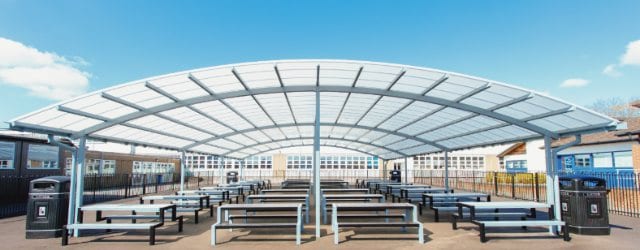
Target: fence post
{"type": "Point", "coordinates": [431, 178]}
{"type": "Point", "coordinates": [473, 177]}
{"type": "Point", "coordinates": [513, 185]}
{"type": "Point", "coordinates": [144, 184]}
{"type": "Point", "coordinates": [537, 186]}
{"type": "Point", "coordinates": [94, 187]}
{"type": "Point", "coordinates": [495, 183]}
{"type": "Point", "coordinates": [127, 192]}
{"type": "Point", "coordinates": [157, 178]}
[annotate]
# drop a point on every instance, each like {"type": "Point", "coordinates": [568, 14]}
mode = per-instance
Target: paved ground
{"type": "Point", "coordinates": [625, 235]}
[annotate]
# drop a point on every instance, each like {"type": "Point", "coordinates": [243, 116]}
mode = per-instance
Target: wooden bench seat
{"type": "Point", "coordinates": [135, 217]}
{"type": "Point", "coordinates": [193, 209]}
{"type": "Point", "coordinates": [262, 216]}
{"type": "Point", "coordinates": [438, 210]}
{"type": "Point", "coordinates": [378, 224]}
{"type": "Point", "coordinates": [455, 217]}
{"type": "Point", "coordinates": [113, 226]}
{"type": "Point", "coordinates": [256, 225]}
{"type": "Point", "coordinates": [520, 223]}
{"type": "Point", "coordinates": [363, 216]}
{"type": "Point", "coordinates": [214, 227]}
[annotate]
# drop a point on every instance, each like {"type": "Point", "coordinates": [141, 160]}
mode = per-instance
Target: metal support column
{"type": "Point", "coordinates": [446, 170]}
{"type": "Point", "coordinates": [183, 166]}
{"type": "Point", "coordinates": [81, 165]}
{"type": "Point", "coordinates": [73, 189]}
{"type": "Point", "coordinates": [316, 165]}
{"type": "Point", "coordinates": [406, 172]}
{"type": "Point", "coordinates": [241, 170]}
{"type": "Point", "coordinates": [384, 169]}
{"type": "Point", "coordinates": [550, 182]}
{"type": "Point", "coordinates": [223, 163]}
{"type": "Point", "coordinates": [71, 213]}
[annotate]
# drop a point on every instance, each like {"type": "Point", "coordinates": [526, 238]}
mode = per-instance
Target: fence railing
{"type": "Point", "coordinates": [623, 197]}
{"type": "Point", "coordinates": [14, 190]}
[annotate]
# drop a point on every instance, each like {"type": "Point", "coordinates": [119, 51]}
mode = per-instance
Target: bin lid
{"type": "Point", "coordinates": [57, 179]}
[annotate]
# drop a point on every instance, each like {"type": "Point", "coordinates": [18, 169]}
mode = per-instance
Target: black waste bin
{"type": "Point", "coordinates": [395, 175]}
{"type": "Point", "coordinates": [583, 204]}
{"type": "Point", "coordinates": [232, 176]}
{"type": "Point", "coordinates": [47, 207]}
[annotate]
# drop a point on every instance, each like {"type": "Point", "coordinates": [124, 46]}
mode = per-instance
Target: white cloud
{"type": "Point", "coordinates": [574, 83]}
{"type": "Point", "coordinates": [611, 70]}
{"type": "Point", "coordinates": [632, 55]}
{"type": "Point", "coordinates": [44, 74]}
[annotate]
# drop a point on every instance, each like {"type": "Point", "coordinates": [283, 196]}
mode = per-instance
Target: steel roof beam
{"type": "Point", "coordinates": [135, 106]}
{"type": "Point", "coordinates": [387, 132]}
{"type": "Point", "coordinates": [304, 145]}
{"type": "Point", "coordinates": [344, 104]}
{"type": "Point", "coordinates": [311, 138]}
{"type": "Point", "coordinates": [346, 89]}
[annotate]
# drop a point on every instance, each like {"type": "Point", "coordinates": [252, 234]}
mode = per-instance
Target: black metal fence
{"type": "Point", "coordinates": [13, 195]}
{"type": "Point", "coordinates": [97, 188]}
{"type": "Point", "coordinates": [623, 197]}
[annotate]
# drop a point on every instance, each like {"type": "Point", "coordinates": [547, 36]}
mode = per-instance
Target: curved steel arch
{"type": "Point", "coordinates": [311, 138]}
{"type": "Point", "coordinates": [303, 145]}
{"type": "Point", "coordinates": [289, 89]}
{"type": "Point", "coordinates": [389, 132]}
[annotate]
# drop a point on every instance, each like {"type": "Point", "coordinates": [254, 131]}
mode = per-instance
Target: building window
{"type": "Point", "coordinates": [42, 157]}
{"type": "Point", "coordinates": [516, 166]}
{"type": "Point", "coordinates": [7, 154]}
{"type": "Point", "coordinates": [602, 160]}
{"type": "Point", "coordinates": [623, 159]}
{"type": "Point", "coordinates": [149, 167]}
{"type": "Point", "coordinates": [582, 161]}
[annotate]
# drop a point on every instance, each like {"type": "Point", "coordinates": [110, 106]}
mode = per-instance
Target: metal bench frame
{"type": "Point", "coordinates": [145, 226]}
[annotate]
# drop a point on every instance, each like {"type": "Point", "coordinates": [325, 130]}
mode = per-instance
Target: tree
{"type": "Point", "coordinates": [616, 107]}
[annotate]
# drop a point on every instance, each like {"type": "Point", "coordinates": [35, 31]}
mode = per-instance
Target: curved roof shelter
{"type": "Point", "coordinates": [382, 109]}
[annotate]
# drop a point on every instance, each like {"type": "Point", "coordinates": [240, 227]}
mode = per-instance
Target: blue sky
{"type": "Point", "coordinates": [535, 44]}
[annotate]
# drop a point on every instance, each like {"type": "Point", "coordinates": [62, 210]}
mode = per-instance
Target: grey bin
{"type": "Point", "coordinates": [395, 175]}
{"type": "Point", "coordinates": [232, 176]}
{"type": "Point", "coordinates": [47, 207]}
{"type": "Point", "coordinates": [583, 204]}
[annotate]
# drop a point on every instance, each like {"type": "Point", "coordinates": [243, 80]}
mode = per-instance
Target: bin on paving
{"type": "Point", "coordinates": [47, 207]}
{"type": "Point", "coordinates": [232, 176]}
{"type": "Point", "coordinates": [583, 204]}
{"type": "Point", "coordinates": [395, 175]}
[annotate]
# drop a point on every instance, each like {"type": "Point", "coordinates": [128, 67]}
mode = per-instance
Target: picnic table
{"type": "Point", "coordinates": [283, 198]}
{"type": "Point", "coordinates": [204, 200]}
{"type": "Point", "coordinates": [236, 190]}
{"type": "Point", "coordinates": [346, 197]}
{"type": "Point", "coordinates": [213, 194]}
{"type": "Point", "coordinates": [396, 190]}
{"type": "Point", "coordinates": [285, 190]}
{"type": "Point", "coordinates": [382, 186]}
{"type": "Point", "coordinates": [158, 210]}
{"type": "Point", "coordinates": [185, 203]}
{"type": "Point", "coordinates": [404, 192]}
{"type": "Point", "coordinates": [453, 196]}
{"type": "Point", "coordinates": [410, 211]}
{"type": "Point", "coordinates": [226, 223]}
{"type": "Point", "coordinates": [532, 206]}
{"type": "Point", "coordinates": [345, 190]}
{"type": "Point", "coordinates": [137, 208]}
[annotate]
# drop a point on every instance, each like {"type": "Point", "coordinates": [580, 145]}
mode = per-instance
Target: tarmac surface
{"type": "Point", "coordinates": [625, 234]}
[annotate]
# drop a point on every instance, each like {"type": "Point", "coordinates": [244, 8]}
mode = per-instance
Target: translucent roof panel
{"type": "Point", "coordinates": [382, 109]}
